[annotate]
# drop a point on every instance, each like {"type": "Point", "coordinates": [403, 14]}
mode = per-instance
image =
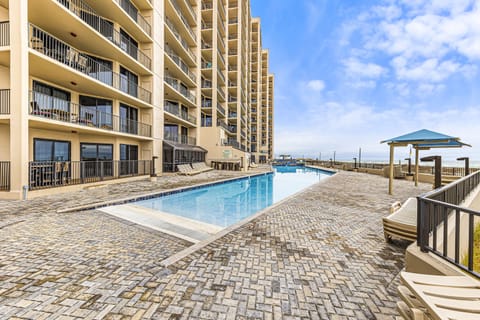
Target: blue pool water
{"type": "Point", "coordinates": [227, 203]}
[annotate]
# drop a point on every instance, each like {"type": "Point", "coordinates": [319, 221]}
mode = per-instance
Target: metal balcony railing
{"type": "Point", "coordinates": [223, 125]}
{"type": "Point", "coordinates": [206, 103]}
{"type": "Point", "coordinates": [221, 92]}
{"type": "Point", "coordinates": [60, 51]}
{"type": "Point", "coordinates": [232, 143]}
{"type": "Point", "coordinates": [45, 106]}
{"type": "Point", "coordinates": [207, 5]}
{"type": "Point", "coordinates": [133, 12]}
{"type": "Point", "coordinates": [179, 87]}
{"type": "Point", "coordinates": [175, 110]}
{"type": "Point", "coordinates": [180, 63]}
{"type": "Point", "coordinates": [4, 33]}
{"type": "Point", "coordinates": [183, 139]}
{"type": "Point", "coordinates": [206, 84]}
{"type": "Point", "coordinates": [440, 211]}
{"type": "Point", "coordinates": [177, 35]}
{"type": "Point", "coordinates": [82, 10]}
{"type": "Point", "coordinates": [184, 20]}
{"type": "Point", "coordinates": [4, 175]}
{"type": "Point", "coordinates": [206, 25]}
{"type": "Point", "coordinates": [51, 174]}
{"type": "Point", "coordinates": [221, 109]}
{"type": "Point", "coordinates": [4, 101]}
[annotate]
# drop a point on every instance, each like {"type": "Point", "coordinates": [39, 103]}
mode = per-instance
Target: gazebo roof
{"type": "Point", "coordinates": [417, 137]}
{"type": "Point", "coordinates": [450, 144]}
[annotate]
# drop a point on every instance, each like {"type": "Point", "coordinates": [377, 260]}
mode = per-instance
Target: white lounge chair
{"type": "Point", "coordinates": [439, 297]}
{"type": "Point", "coordinates": [402, 222]}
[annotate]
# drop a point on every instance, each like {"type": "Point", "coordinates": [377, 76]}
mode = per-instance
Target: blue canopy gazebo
{"type": "Point", "coordinates": [420, 140]}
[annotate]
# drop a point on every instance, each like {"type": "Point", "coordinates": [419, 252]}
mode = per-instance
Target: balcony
{"type": "Point", "coordinates": [207, 6]}
{"type": "Point", "coordinates": [51, 174]}
{"type": "Point", "coordinates": [83, 11]}
{"type": "Point", "coordinates": [174, 109]}
{"type": "Point", "coordinates": [180, 63]}
{"type": "Point", "coordinates": [4, 34]}
{"type": "Point", "coordinates": [184, 20]}
{"type": "Point", "coordinates": [207, 25]}
{"type": "Point", "coordinates": [206, 103]}
{"type": "Point", "coordinates": [4, 175]}
{"type": "Point", "coordinates": [132, 11]}
{"type": "Point", "coordinates": [60, 51]}
{"type": "Point", "coordinates": [180, 39]}
{"type": "Point", "coordinates": [223, 125]}
{"type": "Point", "coordinates": [180, 88]}
{"type": "Point", "coordinates": [52, 108]}
{"type": "Point", "coordinates": [220, 109]}
{"type": "Point", "coordinates": [206, 84]}
{"type": "Point", "coordinates": [182, 139]}
{"type": "Point", "coordinates": [4, 101]}
{"type": "Point", "coordinates": [232, 143]}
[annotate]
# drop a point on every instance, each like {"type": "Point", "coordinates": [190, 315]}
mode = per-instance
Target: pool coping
{"type": "Point", "coordinates": [147, 196]}
{"type": "Point", "coordinates": [176, 257]}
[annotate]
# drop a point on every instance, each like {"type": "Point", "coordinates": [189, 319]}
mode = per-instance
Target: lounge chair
{"type": "Point", "coordinates": [184, 169]}
{"type": "Point", "coordinates": [439, 297]}
{"type": "Point", "coordinates": [402, 222]}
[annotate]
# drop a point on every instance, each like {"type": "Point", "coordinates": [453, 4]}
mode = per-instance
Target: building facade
{"type": "Point", "coordinates": [125, 88]}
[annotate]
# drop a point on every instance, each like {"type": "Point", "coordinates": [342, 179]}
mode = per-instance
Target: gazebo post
{"type": "Point", "coordinates": [416, 166]}
{"type": "Point", "coordinates": [390, 179]}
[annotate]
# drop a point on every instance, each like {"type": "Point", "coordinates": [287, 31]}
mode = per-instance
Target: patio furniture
{"type": "Point", "coordinates": [402, 222]}
{"type": "Point", "coordinates": [439, 297]}
{"type": "Point", "coordinates": [184, 169]}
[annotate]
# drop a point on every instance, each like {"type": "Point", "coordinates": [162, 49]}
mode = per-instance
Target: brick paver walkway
{"type": "Point", "coordinates": [319, 255]}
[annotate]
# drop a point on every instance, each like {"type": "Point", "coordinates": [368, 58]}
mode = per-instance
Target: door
{"type": "Point", "coordinates": [96, 161]}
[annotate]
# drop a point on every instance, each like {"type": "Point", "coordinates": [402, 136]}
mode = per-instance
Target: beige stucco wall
{"type": "Point", "coordinates": [4, 77]}
{"type": "Point", "coordinates": [3, 14]}
{"type": "Point", "coordinates": [4, 142]}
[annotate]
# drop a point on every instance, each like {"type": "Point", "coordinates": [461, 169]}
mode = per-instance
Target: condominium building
{"type": "Point", "coordinates": [95, 91]}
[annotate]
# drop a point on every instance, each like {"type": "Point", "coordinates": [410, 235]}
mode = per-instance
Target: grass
{"type": "Point", "coordinates": [476, 250]}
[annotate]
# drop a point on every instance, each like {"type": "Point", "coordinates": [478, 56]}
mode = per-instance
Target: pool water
{"type": "Point", "coordinates": [227, 203]}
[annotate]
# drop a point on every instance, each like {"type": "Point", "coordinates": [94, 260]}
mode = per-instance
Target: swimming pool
{"type": "Point", "coordinates": [227, 203]}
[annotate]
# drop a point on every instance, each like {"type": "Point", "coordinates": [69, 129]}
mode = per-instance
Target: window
{"type": "Point", "coordinates": [128, 119]}
{"type": "Point", "coordinates": [97, 160]}
{"type": "Point", "coordinates": [46, 97]}
{"type": "Point", "coordinates": [100, 69]}
{"type": "Point", "coordinates": [51, 150]}
{"type": "Point", "coordinates": [206, 120]}
{"type": "Point", "coordinates": [128, 44]}
{"type": "Point", "coordinates": [170, 132]}
{"type": "Point", "coordinates": [128, 82]}
{"type": "Point", "coordinates": [128, 157]}
{"type": "Point", "coordinates": [96, 112]}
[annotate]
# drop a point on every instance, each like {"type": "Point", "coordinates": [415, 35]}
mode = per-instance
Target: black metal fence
{"type": "Point", "coordinates": [4, 101]}
{"type": "Point", "coordinates": [4, 33]}
{"type": "Point", "coordinates": [4, 176]}
{"type": "Point", "coordinates": [439, 214]}
{"type": "Point", "coordinates": [50, 174]}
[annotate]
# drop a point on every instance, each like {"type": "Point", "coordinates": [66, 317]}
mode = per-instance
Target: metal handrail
{"type": "Point", "coordinates": [182, 41]}
{"type": "Point", "coordinates": [184, 20]}
{"type": "Point", "coordinates": [4, 101]}
{"type": "Point", "coordinates": [183, 139]}
{"type": "Point", "coordinates": [62, 52]}
{"type": "Point", "coordinates": [45, 106]}
{"type": "Point", "coordinates": [175, 84]}
{"type": "Point", "coordinates": [440, 207]}
{"type": "Point", "coordinates": [220, 109]}
{"type": "Point", "coordinates": [180, 63]}
{"type": "Point", "coordinates": [88, 15]}
{"type": "Point", "coordinates": [175, 110]}
{"type": "Point", "coordinates": [135, 14]}
{"type": "Point", "coordinates": [4, 175]}
{"type": "Point", "coordinates": [4, 33]}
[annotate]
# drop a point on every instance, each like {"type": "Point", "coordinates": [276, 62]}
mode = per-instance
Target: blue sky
{"type": "Point", "coordinates": [351, 73]}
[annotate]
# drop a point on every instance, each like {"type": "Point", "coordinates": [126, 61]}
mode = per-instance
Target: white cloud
{"type": "Point", "coordinates": [368, 84]}
{"type": "Point", "coordinates": [316, 85]}
{"type": "Point", "coordinates": [356, 68]}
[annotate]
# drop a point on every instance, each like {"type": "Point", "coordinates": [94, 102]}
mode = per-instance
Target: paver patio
{"type": "Point", "coordinates": [319, 255]}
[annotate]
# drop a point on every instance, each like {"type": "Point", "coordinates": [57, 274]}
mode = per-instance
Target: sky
{"type": "Point", "coordinates": [349, 74]}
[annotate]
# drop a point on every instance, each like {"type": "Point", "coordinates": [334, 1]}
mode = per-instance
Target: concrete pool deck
{"type": "Point", "coordinates": [319, 255]}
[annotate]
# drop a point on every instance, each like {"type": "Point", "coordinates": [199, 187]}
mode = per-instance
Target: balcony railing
{"type": "Point", "coordinates": [207, 25]}
{"type": "Point", "coordinates": [82, 10]}
{"type": "Point", "coordinates": [232, 115]}
{"type": "Point", "coordinates": [182, 41]}
{"type": "Point", "coordinates": [4, 33]}
{"type": "Point", "coordinates": [133, 12]}
{"type": "Point", "coordinates": [207, 5]}
{"type": "Point", "coordinates": [176, 84]}
{"type": "Point", "coordinates": [49, 107]}
{"type": "Point", "coordinates": [182, 139]}
{"type": "Point", "coordinates": [4, 175]}
{"type": "Point", "coordinates": [206, 84]}
{"type": "Point", "coordinates": [221, 109]}
{"type": "Point", "coordinates": [206, 103]}
{"type": "Point", "coordinates": [206, 64]}
{"type": "Point", "coordinates": [232, 143]}
{"type": "Point", "coordinates": [184, 20]}
{"type": "Point", "coordinates": [439, 212]}
{"type": "Point", "coordinates": [51, 174]}
{"type": "Point", "coordinates": [220, 74]}
{"type": "Point", "coordinates": [175, 110]}
{"type": "Point", "coordinates": [222, 124]}
{"type": "Point", "coordinates": [4, 101]}
{"type": "Point", "coordinates": [221, 92]}
{"type": "Point", "coordinates": [180, 63]}
{"type": "Point", "coordinates": [60, 51]}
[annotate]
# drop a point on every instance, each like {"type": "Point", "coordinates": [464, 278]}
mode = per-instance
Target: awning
{"type": "Point", "coordinates": [180, 146]}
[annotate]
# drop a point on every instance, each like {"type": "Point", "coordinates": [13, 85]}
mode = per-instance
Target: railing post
{"type": "Point", "coordinates": [153, 172]}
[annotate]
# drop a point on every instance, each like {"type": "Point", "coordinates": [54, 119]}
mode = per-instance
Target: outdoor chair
{"type": "Point", "coordinates": [438, 297]}
{"type": "Point", "coordinates": [402, 221]}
